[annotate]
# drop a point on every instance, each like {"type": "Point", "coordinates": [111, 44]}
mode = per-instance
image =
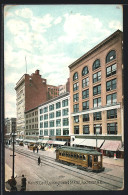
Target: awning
{"type": "Point", "coordinates": [44, 141]}
{"type": "Point", "coordinates": [111, 145]}
{"type": "Point", "coordinates": [30, 141]}
{"type": "Point", "coordinates": [77, 141]}
{"type": "Point", "coordinates": [92, 143]}
{"type": "Point", "coordinates": [56, 142]}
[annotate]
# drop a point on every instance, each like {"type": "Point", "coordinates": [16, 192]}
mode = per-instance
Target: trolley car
{"type": "Point", "coordinates": [85, 158]}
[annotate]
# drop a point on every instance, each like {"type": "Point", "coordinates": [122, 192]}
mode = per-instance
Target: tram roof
{"type": "Point", "coordinates": [80, 150]}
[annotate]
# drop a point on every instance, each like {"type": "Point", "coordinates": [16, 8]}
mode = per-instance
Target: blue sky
{"type": "Point", "coordinates": [51, 37]}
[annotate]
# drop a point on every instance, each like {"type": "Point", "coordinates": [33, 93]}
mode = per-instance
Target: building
{"type": "Point", "coordinates": [31, 91]}
{"type": "Point", "coordinates": [10, 127]}
{"type": "Point", "coordinates": [96, 96]}
{"type": "Point", "coordinates": [64, 88]}
{"type": "Point", "coordinates": [54, 120]}
{"type": "Point", "coordinates": [31, 125]}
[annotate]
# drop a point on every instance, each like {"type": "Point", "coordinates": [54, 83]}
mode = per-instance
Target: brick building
{"type": "Point", "coordinates": [96, 96]}
{"type": "Point", "coordinates": [31, 91]}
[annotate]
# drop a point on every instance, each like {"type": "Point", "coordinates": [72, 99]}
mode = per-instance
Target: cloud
{"type": "Point", "coordinates": [13, 78]}
{"type": "Point", "coordinates": [25, 13]}
{"type": "Point", "coordinates": [10, 110]}
{"type": "Point", "coordinates": [115, 25]}
{"type": "Point", "coordinates": [58, 20]}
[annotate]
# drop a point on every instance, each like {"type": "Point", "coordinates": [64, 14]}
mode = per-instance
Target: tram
{"type": "Point", "coordinates": [85, 158]}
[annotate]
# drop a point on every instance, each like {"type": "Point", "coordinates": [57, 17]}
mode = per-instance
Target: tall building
{"type": "Point", "coordinates": [31, 91]}
{"type": "Point", "coordinates": [53, 119]}
{"type": "Point", "coordinates": [10, 126]}
{"type": "Point", "coordinates": [96, 96]}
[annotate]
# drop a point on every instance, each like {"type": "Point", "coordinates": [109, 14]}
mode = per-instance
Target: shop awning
{"type": "Point", "coordinates": [78, 141]}
{"type": "Point", "coordinates": [56, 142]}
{"type": "Point", "coordinates": [30, 141]}
{"type": "Point", "coordinates": [92, 143]}
{"type": "Point", "coordinates": [111, 145]}
{"type": "Point", "coordinates": [44, 141]}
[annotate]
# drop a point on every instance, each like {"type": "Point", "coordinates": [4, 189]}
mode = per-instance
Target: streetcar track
{"type": "Point", "coordinates": [30, 155]}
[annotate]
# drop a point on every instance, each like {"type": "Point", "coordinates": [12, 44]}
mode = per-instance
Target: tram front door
{"type": "Point", "coordinates": [89, 160]}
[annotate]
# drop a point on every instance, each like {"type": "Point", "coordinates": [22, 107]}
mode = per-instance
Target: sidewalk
{"type": "Point", "coordinates": [112, 161]}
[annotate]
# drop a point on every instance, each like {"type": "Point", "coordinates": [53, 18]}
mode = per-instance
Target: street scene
{"type": "Point", "coordinates": [53, 176]}
{"type": "Point", "coordinates": [64, 97]}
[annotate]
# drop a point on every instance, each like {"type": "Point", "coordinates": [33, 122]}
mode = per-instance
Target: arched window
{"type": "Point", "coordinates": [96, 64]}
{"type": "Point", "coordinates": [85, 71]}
{"type": "Point", "coordinates": [75, 76]}
{"type": "Point", "coordinates": [111, 56]}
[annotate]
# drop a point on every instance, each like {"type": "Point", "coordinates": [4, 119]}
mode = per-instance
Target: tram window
{"type": "Point", "coordinates": [80, 157]}
{"type": "Point", "coordinates": [74, 155]}
{"type": "Point", "coordinates": [99, 158]}
{"type": "Point", "coordinates": [95, 158]}
{"type": "Point", "coordinates": [66, 154]}
{"type": "Point", "coordinates": [60, 153]}
{"type": "Point", "coordinates": [84, 157]}
{"type": "Point", "coordinates": [71, 155]}
{"type": "Point", "coordinates": [77, 156]}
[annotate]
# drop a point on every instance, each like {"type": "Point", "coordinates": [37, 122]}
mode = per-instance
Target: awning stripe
{"type": "Point", "coordinates": [111, 145]}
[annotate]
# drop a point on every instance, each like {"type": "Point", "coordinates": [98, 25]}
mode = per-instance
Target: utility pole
{"type": "Point", "coordinates": [13, 155]}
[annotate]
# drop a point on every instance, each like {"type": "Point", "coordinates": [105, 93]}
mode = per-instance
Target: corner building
{"type": "Point", "coordinates": [96, 95]}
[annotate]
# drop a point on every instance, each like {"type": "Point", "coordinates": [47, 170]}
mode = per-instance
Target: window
{"type": "Point", "coordinates": [112, 128]}
{"type": "Point", "coordinates": [75, 76]}
{"type": "Point", "coordinates": [85, 105]}
{"type": "Point", "coordinates": [51, 107]}
{"type": "Point", "coordinates": [85, 94]}
{"type": "Point", "coordinates": [97, 102]}
{"type": "Point", "coordinates": [76, 129]}
{"type": "Point", "coordinates": [85, 129]}
{"type": "Point", "coordinates": [45, 132]}
{"type": "Point", "coordinates": [111, 99]}
{"type": "Point", "coordinates": [45, 124]}
{"type": "Point", "coordinates": [65, 112]}
{"type": "Point", "coordinates": [45, 116]}
{"type": "Point", "coordinates": [76, 107]}
{"type": "Point", "coordinates": [51, 132]}
{"type": "Point", "coordinates": [85, 117]}
{"type": "Point", "coordinates": [85, 82]}
{"type": "Point", "coordinates": [97, 116]}
{"type": "Point", "coordinates": [65, 131]}
{"type": "Point", "coordinates": [96, 77]}
{"type": "Point", "coordinates": [58, 123]}
{"type": "Point", "coordinates": [41, 125]}
{"type": "Point", "coordinates": [75, 86]}
{"type": "Point", "coordinates": [111, 70]}
{"type": "Point", "coordinates": [112, 114]}
{"type": "Point", "coordinates": [41, 118]}
{"type": "Point", "coordinates": [110, 85]}
{"type": "Point", "coordinates": [98, 129]}
{"type": "Point", "coordinates": [51, 123]}
{"type": "Point", "coordinates": [58, 131]}
{"type": "Point", "coordinates": [58, 113]}
{"type": "Point", "coordinates": [76, 119]}
{"type": "Point", "coordinates": [96, 64]}
{"type": "Point", "coordinates": [76, 97]}
{"type": "Point", "coordinates": [65, 103]}
{"type": "Point", "coordinates": [85, 71]}
{"type": "Point", "coordinates": [51, 115]}
{"type": "Point", "coordinates": [111, 56]}
{"type": "Point", "coordinates": [65, 122]}
{"type": "Point", "coordinates": [41, 111]}
{"type": "Point", "coordinates": [45, 109]}
{"type": "Point", "coordinates": [41, 132]}
{"type": "Point", "coordinates": [58, 105]}
{"type": "Point", "coordinates": [97, 90]}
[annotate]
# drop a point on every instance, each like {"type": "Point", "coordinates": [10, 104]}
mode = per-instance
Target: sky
{"type": "Point", "coordinates": [51, 37]}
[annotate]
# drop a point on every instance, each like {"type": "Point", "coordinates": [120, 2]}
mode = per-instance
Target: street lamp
{"type": "Point", "coordinates": [13, 155]}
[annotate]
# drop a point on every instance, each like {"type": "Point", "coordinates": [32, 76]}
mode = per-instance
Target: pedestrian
{"type": "Point", "coordinates": [37, 149]}
{"type": "Point", "coordinates": [39, 161]}
{"type": "Point", "coordinates": [23, 183]}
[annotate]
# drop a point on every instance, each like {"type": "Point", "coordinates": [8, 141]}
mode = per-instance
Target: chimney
{"type": "Point", "coordinates": [37, 72]}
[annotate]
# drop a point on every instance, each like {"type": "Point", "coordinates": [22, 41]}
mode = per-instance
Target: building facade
{"type": "Point", "coordinates": [96, 92]}
{"type": "Point", "coordinates": [10, 126]}
{"type": "Point", "coordinates": [64, 88]}
{"type": "Point", "coordinates": [54, 119]}
{"type": "Point", "coordinates": [31, 125]}
{"type": "Point", "coordinates": [31, 91]}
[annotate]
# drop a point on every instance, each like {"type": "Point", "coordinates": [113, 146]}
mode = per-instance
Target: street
{"type": "Point", "coordinates": [53, 176]}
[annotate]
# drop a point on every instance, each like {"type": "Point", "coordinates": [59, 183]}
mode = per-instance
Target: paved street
{"type": "Point", "coordinates": [50, 176]}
